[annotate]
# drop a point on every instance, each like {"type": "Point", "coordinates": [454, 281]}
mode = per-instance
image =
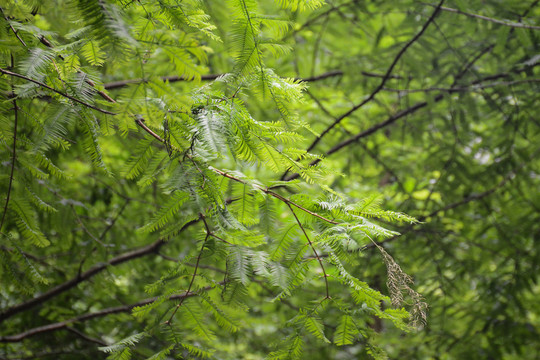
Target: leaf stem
{"type": "Point", "coordinates": [188, 291]}
{"type": "Point", "coordinates": [13, 158]}
{"type": "Point", "coordinates": [314, 252]}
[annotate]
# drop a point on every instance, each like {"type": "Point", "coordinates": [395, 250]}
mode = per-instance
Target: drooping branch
{"type": "Point", "coordinates": [89, 316]}
{"type": "Point", "coordinates": [141, 123]}
{"type": "Point", "coordinates": [276, 195]}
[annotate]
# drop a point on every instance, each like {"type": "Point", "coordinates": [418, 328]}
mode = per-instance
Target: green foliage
{"type": "Point", "coordinates": [192, 179]}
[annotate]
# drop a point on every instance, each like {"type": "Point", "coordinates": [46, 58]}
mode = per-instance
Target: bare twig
{"type": "Point", "coordinates": [86, 337]}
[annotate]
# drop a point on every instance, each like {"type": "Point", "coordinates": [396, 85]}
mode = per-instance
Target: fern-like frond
{"type": "Point", "coordinates": [192, 316]}
{"type": "Point", "coordinates": [90, 142]}
{"type": "Point", "coordinates": [163, 354]}
{"type": "Point", "coordinates": [124, 343]}
{"type": "Point", "coordinates": [197, 351]}
{"type": "Point", "coordinates": [137, 163]}
{"type": "Point", "coordinates": [224, 320]}
{"type": "Point", "coordinates": [106, 23]}
{"type": "Point", "coordinates": [37, 63]}
{"type": "Point", "coordinates": [346, 331]}
{"type": "Point", "coordinates": [92, 52]}
{"type": "Point", "coordinates": [25, 218]}
{"type": "Point", "coordinates": [53, 131]}
{"type": "Point", "coordinates": [167, 212]}
{"type": "Point", "coordinates": [284, 242]}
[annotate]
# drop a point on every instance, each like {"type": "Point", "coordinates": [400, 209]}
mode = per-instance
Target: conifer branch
{"type": "Point", "coordinates": [140, 122]}
{"type": "Point", "coordinates": [7, 72]}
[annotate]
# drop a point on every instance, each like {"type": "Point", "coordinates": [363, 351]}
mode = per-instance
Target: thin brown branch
{"type": "Point", "coordinates": [375, 75]}
{"type": "Point", "coordinates": [175, 78]}
{"type": "Point", "coordinates": [86, 337]}
{"type": "Point", "coordinates": [322, 76]}
{"type": "Point", "coordinates": [314, 252]}
{"type": "Point", "coordinates": [392, 119]}
{"type": "Point", "coordinates": [84, 228]}
{"type": "Point", "coordinates": [383, 81]}
{"type": "Point", "coordinates": [57, 290]}
{"type": "Point", "coordinates": [140, 122]}
{"type": "Point", "coordinates": [47, 43]}
{"type": "Point", "coordinates": [410, 110]}
{"type": "Point", "coordinates": [188, 291]}
{"type": "Point", "coordinates": [276, 195]}
{"type": "Point", "coordinates": [505, 74]}
{"type": "Point", "coordinates": [13, 158]}
{"type": "Point", "coordinates": [474, 197]}
{"type": "Point", "coordinates": [41, 355]}
{"type": "Point", "coordinates": [485, 18]}
{"type": "Point", "coordinates": [89, 316]}
{"type": "Point", "coordinates": [113, 221]}
{"type": "Point", "coordinates": [7, 72]}
{"type": "Point", "coordinates": [465, 88]}
{"type": "Point", "coordinates": [12, 29]}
